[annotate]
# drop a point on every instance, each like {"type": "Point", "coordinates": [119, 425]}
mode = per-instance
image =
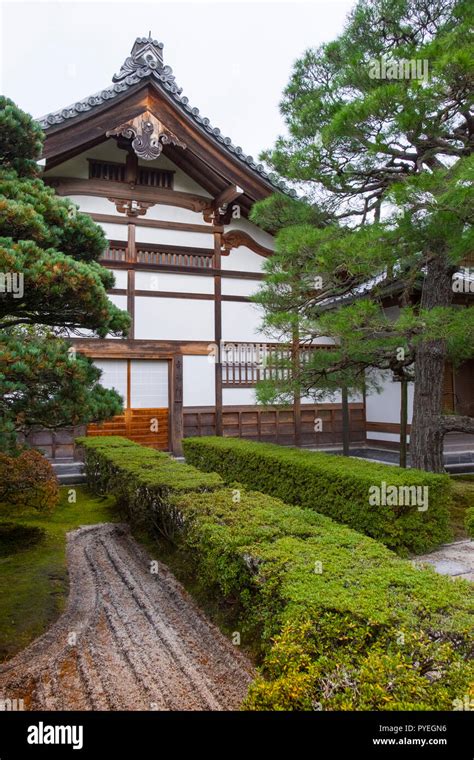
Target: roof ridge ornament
{"type": "Point", "coordinates": [148, 135]}
{"type": "Point", "coordinates": [146, 57]}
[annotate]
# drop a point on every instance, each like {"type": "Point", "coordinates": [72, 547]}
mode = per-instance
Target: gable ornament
{"type": "Point", "coordinates": [148, 135]}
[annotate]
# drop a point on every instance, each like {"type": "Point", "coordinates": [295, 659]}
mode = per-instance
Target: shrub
{"type": "Point", "coordinates": [333, 485]}
{"type": "Point", "coordinates": [469, 521]}
{"type": "Point", "coordinates": [16, 538]}
{"type": "Point", "coordinates": [28, 480]}
{"type": "Point", "coordinates": [344, 623]}
{"type": "Point", "coordinates": [142, 479]}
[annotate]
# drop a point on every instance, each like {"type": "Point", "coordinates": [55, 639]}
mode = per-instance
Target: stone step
{"type": "Point", "coordinates": [71, 479]}
{"type": "Point", "coordinates": [69, 472]}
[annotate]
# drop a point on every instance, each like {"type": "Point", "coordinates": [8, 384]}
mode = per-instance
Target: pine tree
{"type": "Point", "coordinates": [381, 132]}
{"type": "Point", "coordinates": [51, 286]}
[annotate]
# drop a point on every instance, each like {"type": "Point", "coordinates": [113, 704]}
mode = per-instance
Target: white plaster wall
{"type": "Point", "coordinates": [170, 282]}
{"type": "Point", "coordinates": [231, 286]}
{"type": "Point", "coordinates": [166, 213]}
{"type": "Point", "coordinates": [115, 231]}
{"type": "Point", "coordinates": [121, 278]}
{"type": "Point", "coordinates": [119, 301]}
{"type": "Point", "coordinates": [173, 319]}
{"type": "Point", "coordinates": [240, 322]}
{"type": "Point", "coordinates": [79, 165]}
{"type": "Point", "coordinates": [174, 237]}
{"type": "Point", "coordinates": [96, 205]}
{"type": "Point", "coordinates": [75, 167]}
{"type": "Point", "coordinates": [238, 396]}
{"type": "Point", "coordinates": [198, 381]}
{"type": "Point", "coordinates": [242, 259]}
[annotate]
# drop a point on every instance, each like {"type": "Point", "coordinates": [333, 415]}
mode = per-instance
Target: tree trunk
{"type": "Point", "coordinates": [427, 433]}
{"type": "Point", "coordinates": [403, 421]}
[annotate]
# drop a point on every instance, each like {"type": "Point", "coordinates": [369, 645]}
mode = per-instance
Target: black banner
{"type": "Point", "coordinates": [385, 734]}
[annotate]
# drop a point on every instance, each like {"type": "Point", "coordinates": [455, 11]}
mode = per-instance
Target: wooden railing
{"type": "Point", "coordinates": [156, 255]}
{"type": "Point", "coordinates": [116, 251]}
{"type": "Point", "coordinates": [246, 364]}
{"type": "Point", "coordinates": [153, 255]}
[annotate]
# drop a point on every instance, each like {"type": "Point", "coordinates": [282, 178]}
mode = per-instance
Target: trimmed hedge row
{"type": "Point", "coordinates": [142, 479]}
{"type": "Point", "coordinates": [336, 486]}
{"type": "Point", "coordinates": [344, 623]}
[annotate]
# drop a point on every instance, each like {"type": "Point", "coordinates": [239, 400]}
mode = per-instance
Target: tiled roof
{"type": "Point", "coordinates": [146, 62]}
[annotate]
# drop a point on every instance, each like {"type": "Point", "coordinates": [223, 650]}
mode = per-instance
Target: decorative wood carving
{"type": "Point", "coordinates": [220, 205]}
{"type": "Point", "coordinates": [235, 238]}
{"type": "Point", "coordinates": [131, 207]}
{"type": "Point", "coordinates": [148, 135]}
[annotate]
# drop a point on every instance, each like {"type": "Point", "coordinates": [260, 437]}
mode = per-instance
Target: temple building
{"type": "Point", "coordinates": [173, 196]}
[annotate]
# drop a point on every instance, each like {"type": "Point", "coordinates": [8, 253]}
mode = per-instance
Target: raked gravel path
{"type": "Point", "coordinates": [128, 640]}
{"type": "Point", "coordinates": [456, 560]}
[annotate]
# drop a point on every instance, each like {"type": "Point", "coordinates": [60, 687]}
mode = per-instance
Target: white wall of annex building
{"type": "Point", "coordinates": [385, 406]}
{"type": "Point", "coordinates": [173, 319]}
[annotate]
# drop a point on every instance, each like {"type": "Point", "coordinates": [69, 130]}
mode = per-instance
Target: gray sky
{"type": "Point", "coordinates": [232, 59]}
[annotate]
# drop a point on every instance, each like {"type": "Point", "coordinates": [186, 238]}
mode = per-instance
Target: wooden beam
{"type": "Point", "coordinates": [207, 229]}
{"type": "Point", "coordinates": [208, 272]}
{"type": "Point", "coordinates": [105, 188]}
{"type": "Point", "coordinates": [226, 196]}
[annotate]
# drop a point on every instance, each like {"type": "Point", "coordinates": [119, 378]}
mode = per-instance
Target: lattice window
{"type": "Point", "coordinates": [106, 170]}
{"type": "Point", "coordinates": [155, 177]}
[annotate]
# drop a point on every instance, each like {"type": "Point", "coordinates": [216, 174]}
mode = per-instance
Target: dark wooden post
{"type": "Point", "coordinates": [295, 356]}
{"type": "Point", "coordinates": [403, 421]}
{"type": "Point", "coordinates": [345, 421]}
{"type": "Point", "coordinates": [131, 257]}
{"type": "Point", "coordinates": [177, 405]}
{"type": "Point", "coordinates": [218, 330]}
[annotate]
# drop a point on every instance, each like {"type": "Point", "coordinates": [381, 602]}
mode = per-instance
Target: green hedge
{"type": "Point", "coordinates": [333, 485]}
{"type": "Point", "coordinates": [142, 479]}
{"type": "Point", "coordinates": [344, 623]}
